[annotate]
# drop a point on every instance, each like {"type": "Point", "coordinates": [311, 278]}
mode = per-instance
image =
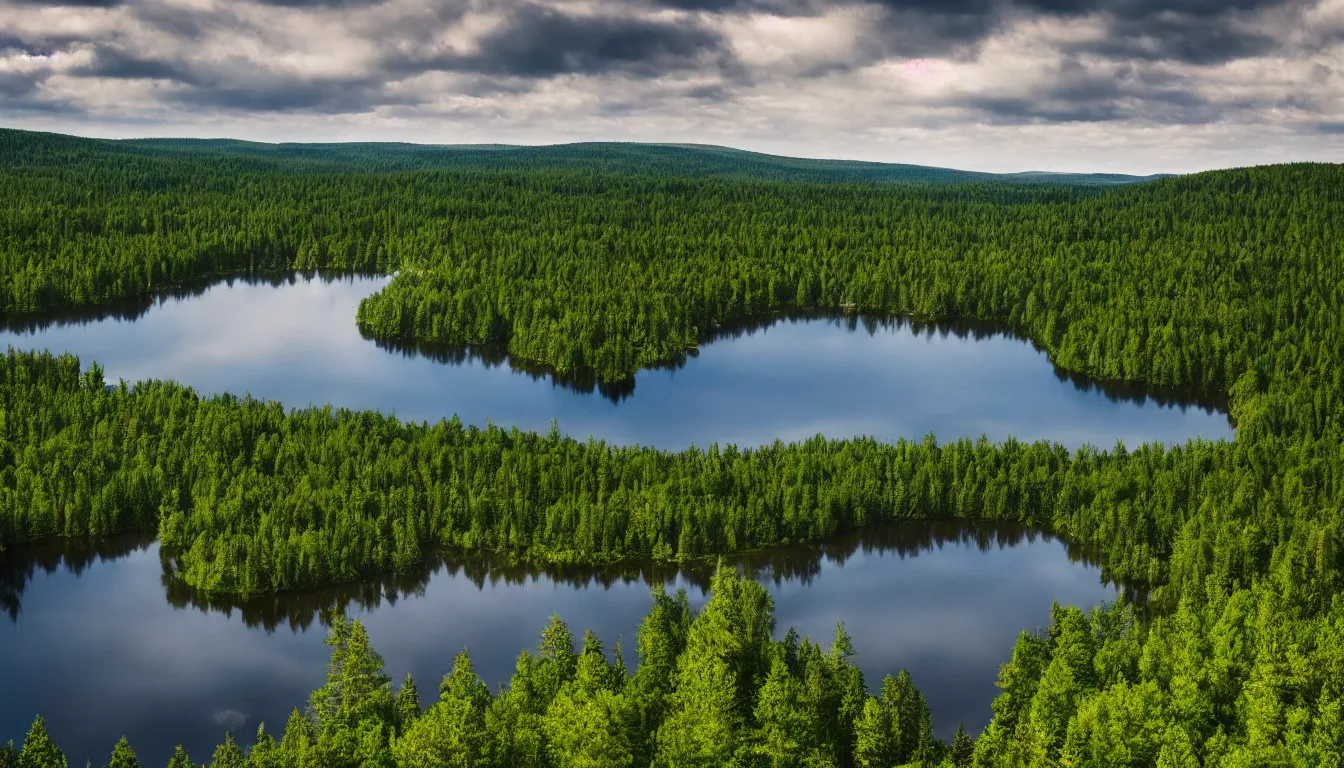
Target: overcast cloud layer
{"type": "Point", "coordinates": [1104, 85]}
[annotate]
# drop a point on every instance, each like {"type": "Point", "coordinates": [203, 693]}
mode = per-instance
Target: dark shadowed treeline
{"type": "Point", "coordinates": [1228, 282]}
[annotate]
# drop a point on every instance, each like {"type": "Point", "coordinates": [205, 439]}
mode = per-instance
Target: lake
{"type": "Point", "coordinates": [294, 339]}
{"type": "Point", "coordinates": [102, 649]}
{"type": "Point", "coordinates": [102, 646]}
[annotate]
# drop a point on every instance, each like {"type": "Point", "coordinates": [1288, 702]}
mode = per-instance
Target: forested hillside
{"type": "Point", "coordinates": [1227, 282]}
{"type": "Point", "coordinates": [694, 160]}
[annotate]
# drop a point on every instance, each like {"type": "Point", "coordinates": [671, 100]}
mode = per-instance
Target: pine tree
{"type": "Point", "coordinates": [963, 747]}
{"type": "Point", "coordinates": [874, 746]}
{"type": "Point", "coordinates": [265, 752]}
{"type": "Point", "coordinates": [1048, 719]}
{"type": "Point", "coordinates": [911, 724]}
{"type": "Point", "coordinates": [228, 754]}
{"type": "Point", "coordinates": [38, 751]}
{"type": "Point", "coordinates": [703, 727]}
{"type": "Point", "coordinates": [556, 661]}
{"type": "Point", "coordinates": [463, 684]}
{"type": "Point", "coordinates": [297, 742]}
{"type": "Point", "coordinates": [659, 641]}
{"type": "Point", "coordinates": [123, 756]}
{"type": "Point", "coordinates": [180, 758]}
{"type": "Point", "coordinates": [406, 705]}
{"type": "Point", "coordinates": [786, 728]}
{"type": "Point", "coordinates": [356, 687]}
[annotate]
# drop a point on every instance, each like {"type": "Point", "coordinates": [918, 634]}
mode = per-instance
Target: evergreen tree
{"type": "Point", "coordinates": [786, 728]}
{"type": "Point", "coordinates": [180, 758]}
{"type": "Point", "coordinates": [874, 745]}
{"type": "Point", "coordinates": [228, 754]}
{"type": "Point", "coordinates": [406, 705]}
{"type": "Point", "coordinates": [911, 724]}
{"type": "Point", "coordinates": [265, 752]}
{"type": "Point", "coordinates": [123, 756]}
{"type": "Point", "coordinates": [38, 751]}
{"type": "Point", "coordinates": [556, 663]}
{"type": "Point", "coordinates": [356, 688]}
{"type": "Point", "coordinates": [703, 727]}
{"type": "Point", "coordinates": [962, 750]}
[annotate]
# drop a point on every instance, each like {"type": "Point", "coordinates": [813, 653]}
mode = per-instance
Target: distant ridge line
{"type": "Point", "coordinates": [664, 159]}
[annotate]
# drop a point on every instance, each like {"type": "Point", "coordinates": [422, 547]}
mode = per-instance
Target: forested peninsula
{"type": "Point", "coordinates": [1228, 283]}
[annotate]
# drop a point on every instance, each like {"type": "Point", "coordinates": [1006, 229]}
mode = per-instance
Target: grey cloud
{"type": "Point", "coordinates": [1131, 93]}
{"type": "Point", "coordinates": [240, 85]}
{"type": "Point", "coordinates": [9, 42]}
{"type": "Point", "coordinates": [1127, 9]}
{"type": "Point", "coordinates": [1189, 31]}
{"type": "Point", "coordinates": [20, 93]}
{"type": "Point", "coordinates": [534, 42]}
{"type": "Point", "coordinates": [69, 3]}
{"type": "Point", "coordinates": [321, 3]}
{"type": "Point", "coordinates": [288, 94]}
{"type": "Point", "coordinates": [17, 84]}
{"type": "Point", "coordinates": [539, 42]}
{"type": "Point", "coordinates": [116, 63]}
{"type": "Point", "coordinates": [1194, 31]}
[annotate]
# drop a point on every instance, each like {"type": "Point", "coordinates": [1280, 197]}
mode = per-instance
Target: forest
{"type": "Point", "coordinates": [1228, 283]}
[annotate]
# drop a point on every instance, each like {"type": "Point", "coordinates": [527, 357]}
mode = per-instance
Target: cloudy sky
{"type": "Point", "coordinates": [1105, 85]}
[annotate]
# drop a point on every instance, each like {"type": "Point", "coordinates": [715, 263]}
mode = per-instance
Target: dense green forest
{"type": "Point", "coordinates": [1227, 282]}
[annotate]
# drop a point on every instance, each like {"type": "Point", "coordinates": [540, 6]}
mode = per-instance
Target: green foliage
{"type": "Point", "coordinates": [265, 752]}
{"type": "Point", "coordinates": [962, 749]}
{"type": "Point", "coordinates": [229, 754]}
{"type": "Point", "coordinates": [123, 756]}
{"type": "Point", "coordinates": [1226, 283]}
{"type": "Point", "coordinates": [590, 723]}
{"type": "Point", "coordinates": [352, 711]}
{"type": "Point", "coordinates": [1267, 695]}
{"type": "Point", "coordinates": [180, 758]}
{"type": "Point", "coordinates": [38, 751]}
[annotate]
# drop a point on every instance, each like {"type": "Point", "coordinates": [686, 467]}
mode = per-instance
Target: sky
{"type": "Point", "coordinates": [1130, 86]}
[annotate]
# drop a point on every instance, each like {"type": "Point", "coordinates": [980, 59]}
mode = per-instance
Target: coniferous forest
{"type": "Point", "coordinates": [1228, 283]}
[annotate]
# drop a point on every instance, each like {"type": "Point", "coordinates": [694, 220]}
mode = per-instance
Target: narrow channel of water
{"type": "Point", "coordinates": [99, 647]}
{"type": "Point", "coordinates": [294, 339]}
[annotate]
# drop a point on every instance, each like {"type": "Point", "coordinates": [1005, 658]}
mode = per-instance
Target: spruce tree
{"type": "Point", "coordinates": [228, 754]}
{"type": "Point", "coordinates": [38, 751]}
{"type": "Point", "coordinates": [962, 750]}
{"type": "Point", "coordinates": [180, 758]}
{"type": "Point", "coordinates": [406, 705]}
{"type": "Point", "coordinates": [123, 756]}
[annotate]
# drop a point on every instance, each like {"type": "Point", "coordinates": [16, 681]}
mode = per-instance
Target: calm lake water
{"type": "Point", "coordinates": [295, 340]}
{"type": "Point", "coordinates": [101, 648]}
